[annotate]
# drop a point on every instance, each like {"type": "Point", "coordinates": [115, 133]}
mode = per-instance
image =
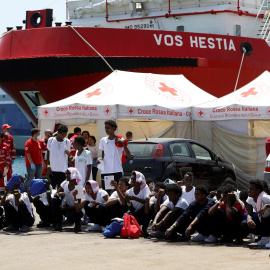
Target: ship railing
{"type": "Point", "coordinates": [265, 34]}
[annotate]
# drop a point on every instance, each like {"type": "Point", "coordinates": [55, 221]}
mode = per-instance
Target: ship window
{"type": "Point", "coordinates": [180, 28]}
{"type": "Point", "coordinates": [139, 7]}
{"type": "Point", "coordinates": [238, 30]}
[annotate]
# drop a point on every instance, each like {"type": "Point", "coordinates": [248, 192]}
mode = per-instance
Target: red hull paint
{"type": "Point", "coordinates": [216, 72]}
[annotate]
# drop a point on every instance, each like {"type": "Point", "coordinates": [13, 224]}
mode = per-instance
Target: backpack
{"type": "Point", "coordinates": [113, 229]}
{"type": "Point", "coordinates": [131, 228]}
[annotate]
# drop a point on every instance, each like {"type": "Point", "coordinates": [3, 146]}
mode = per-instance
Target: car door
{"type": "Point", "coordinates": [207, 171]}
{"type": "Point", "coordinates": [182, 158]}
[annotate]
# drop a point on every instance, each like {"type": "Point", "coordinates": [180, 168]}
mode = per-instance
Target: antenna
{"type": "Point", "coordinates": [143, 133]}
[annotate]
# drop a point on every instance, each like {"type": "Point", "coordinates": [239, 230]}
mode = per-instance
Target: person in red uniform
{"type": "Point", "coordinates": [77, 132]}
{"type": "Point", "coordinates": [48, 133]}
{"type": "Point", "coordinates": [267, 146]}
{"type": "Point", "coordinates": [8, 139]}
{"type": "Point", "coordinates": [4, 160]}
{"type": "Point", "coordinates": [33, 158]}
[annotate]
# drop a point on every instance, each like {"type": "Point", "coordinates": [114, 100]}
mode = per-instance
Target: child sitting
{"type": "Point", "coordinates": [228, 214]}
{"type": "Point", "coordinates": [155, 199]}
{"type": "Point", "coordinates": [18, 210]}
{"type": "Point", "coordinates": [117, 202]}
{"type": "Point", "coordinates": [170, 210]}
{"type": "Point", "coordinates": [136, 198]}
{"type": "Point", "coordinates": [64, 201]}
{"type": "Point", "coordinates": [188, 188]}
{"type": "Point", "coordinates": [258, 222]}
{"type": "Point", "coordinates": [42, 202]}
{"type": "Point", "coordinates": [93, 201]}
{"type": "Point", "coordinates": [195, 217]}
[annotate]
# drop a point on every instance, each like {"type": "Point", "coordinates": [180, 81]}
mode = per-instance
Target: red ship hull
{"type": "Point", "coordinates": [58, 63]}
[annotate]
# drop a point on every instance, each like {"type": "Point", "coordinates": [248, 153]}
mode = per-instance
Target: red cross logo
{"type": "Point", "coordinates": [200, 113]}
{"type": "Point", "coordinates": [130, 111]}
{"type": "Point", "coordinates": [166, 88]}
{"type": "Point", "coordinates": [46, 112]}
{"type": "Point", "coordinates": [249, 92]}
{"type": "Point", "coordinates": [107, 110]}
{"type": "Point", "coordinates": [94, 93]}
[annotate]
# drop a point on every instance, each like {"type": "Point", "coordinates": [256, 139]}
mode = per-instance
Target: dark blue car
{"type": "Point", "coordinates": [161, 158]}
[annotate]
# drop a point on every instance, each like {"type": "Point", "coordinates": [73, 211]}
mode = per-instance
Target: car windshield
{"type": "Point", "coordinates": [142, 149]}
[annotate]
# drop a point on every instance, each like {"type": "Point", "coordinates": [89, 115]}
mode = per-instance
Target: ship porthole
{"type": "Point", "coordinates": [246, 48]}
{"type": "Point", "coordinates": [35, 19]}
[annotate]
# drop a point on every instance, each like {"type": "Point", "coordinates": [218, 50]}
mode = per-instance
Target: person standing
{"type": "Point", "coordinates": [33, 158]}
{"type": "Point", "coordinates": [86, 136]}
{"type": "Point", "coordinates": [8, 139]}
{"type": "Point", "coordinates": [4, 161]}
{"type": "Point", "coordinates": [58, 149]}
{"type": "Point", "coordinates": [111, 153]}
{"type": "Point", "coordinates": [129, 136]}
{"type": "Point", "coordinates": [77, 132]}
{"type": "Point", "coordinates": [48, 134]}
{"type": "Point", "coordinates": [94, 150]}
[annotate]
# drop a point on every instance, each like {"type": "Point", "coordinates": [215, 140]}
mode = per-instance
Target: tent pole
{"type": "Point", "coordinates": [192, 129]}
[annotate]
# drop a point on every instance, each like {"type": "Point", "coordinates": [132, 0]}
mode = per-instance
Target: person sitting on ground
{"type": "Point", "coordinates": [42, 203]}
{"type": "Point", "coordinates": [258, 222]}
{"type": "Point", "coordinates": [150, 183]}
{"type": "Point", "coordinates": [228, 215]}
{"type": "Point", "coordinates": [63, 203]}
{"type": "Point", "coordinates": [18, 210]}
{"type": "Point", "coordinates": [188, 188]}
{"type": "Point", "coordinates": [136, 198]}
{"type": "Point", "coordinates": [265, 187]}
{"type": "Point", "coordinates": [215, 194]}
{"type": "Point", "coordinates": [170, 210]}
{"type": "Point", "coordinates": [93, 204]}
{"type": "Point", "coordinates": [195, 217]}
{"type": "Point", "coordinates": [117, 202]}
{"type": "Point", "coordinates": [230, 181]}
{"type": "Point", "coordinates": [83, 159]}
{"type": "Point", "coordinates": [244, 196]}
{"type": "Point", "coordinates": [155, 199]}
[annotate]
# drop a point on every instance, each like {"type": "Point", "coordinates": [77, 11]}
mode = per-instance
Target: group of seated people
{"type": "Point", "coordinates": [173, 210]}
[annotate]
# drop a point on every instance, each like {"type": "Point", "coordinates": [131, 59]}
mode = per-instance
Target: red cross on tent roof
{"type": "Point", "coordinates": [166, 88]}
{"type": "Point", "coordinates": [249, 92]}
{"type": "Point", "coordinates": [94, 93]}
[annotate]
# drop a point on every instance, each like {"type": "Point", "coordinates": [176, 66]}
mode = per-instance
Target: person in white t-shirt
{"type": "Point", "coordinates": [58, 156]}
{"type": "Point", "coordinates": [83, 159]}
{"type": "Point", "coordinates": [93, 202]}
{"type": "Point", "coordinates": [64, 201]}
{"type": "Point", "coordinates": [259, 202]}
{"type": "Point", "coordinates": [136, 198]}
{"type": "Point", "coordinates": [187, 187]}
{"type": "Point", "coordinates": [155, 199]}
{"type": "Point", "coordinates": [113, 149]}
{"type": "Point", "coordinates": [18, 210]}
{"type": "Point", "coordinates": [170, 210]}
{"type": "Point", "coordinates": [117, 202]}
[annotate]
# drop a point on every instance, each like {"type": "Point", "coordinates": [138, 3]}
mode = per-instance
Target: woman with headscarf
{"type": "Point", "coordinates": [93, 204]}
{"type": "Point", "coordinates": [63, 202]}
{"type": "Point", "coordinates": [136, 198]}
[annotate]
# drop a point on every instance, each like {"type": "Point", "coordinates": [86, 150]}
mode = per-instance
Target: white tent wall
{"type": "Point", "coordinates": [231, 141]}
{"type": "Point", "coordinates": [177, 130]}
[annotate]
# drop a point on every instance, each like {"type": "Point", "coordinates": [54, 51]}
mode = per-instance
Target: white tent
{"type": "Point", "coordinates": [129, 95]}
{"type": "Point", "coordinates": [236, 126]}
